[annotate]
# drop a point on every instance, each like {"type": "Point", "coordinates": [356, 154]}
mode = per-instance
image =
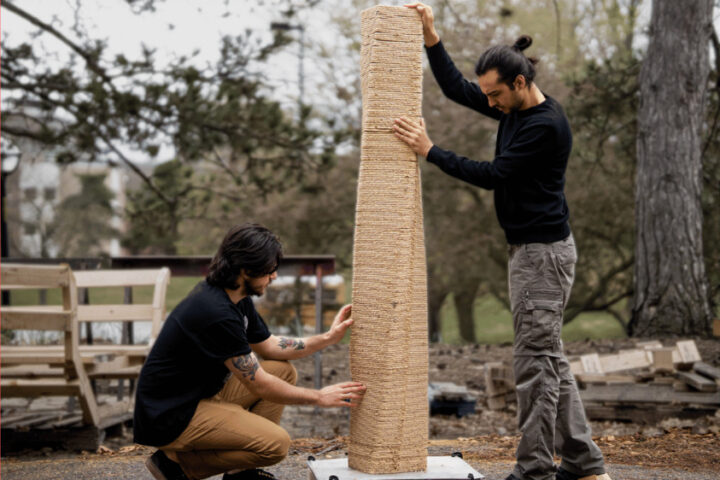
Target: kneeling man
{"type": "Point", "coordinates": [203, 397]}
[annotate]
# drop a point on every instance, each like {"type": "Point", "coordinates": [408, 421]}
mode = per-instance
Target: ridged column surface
{"type": "Point", "coordinates": [388, 348]}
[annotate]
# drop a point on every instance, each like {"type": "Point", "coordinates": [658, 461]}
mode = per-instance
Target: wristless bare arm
{"type": "Point", "coordinates": [248, 370]}
{"type": "Point", "coordinates": [284, 348]}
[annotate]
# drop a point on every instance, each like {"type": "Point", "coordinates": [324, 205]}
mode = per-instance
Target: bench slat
{"type": "Point", "coordinates": [36, 276]}
{"type": "Point", "coordinates": [86, 313]}
{"type": "Point", "coordinates": [36, 318]}
{"type": "Point", "coordinates": [115, 278]}
{"type": "Point", "coordinates": [32, 372]}
{"type": "Point", "coordinates": [115, 313]}
{"type": "Point", "coordinates": [89, 351]}
{"type": "Point", "coordinates": [25, 388]}
{"type": "Point", "coordinates": [124, 373]}
{"type": "Point", "coordinates": [52, 357]}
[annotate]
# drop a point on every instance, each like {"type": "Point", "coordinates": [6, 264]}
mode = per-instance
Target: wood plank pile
{"type": "Point", "coordinates": [648, 383]}
{"type": "Point", "coordinates": [59, 425]}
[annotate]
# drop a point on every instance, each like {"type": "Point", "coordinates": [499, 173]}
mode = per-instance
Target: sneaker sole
{"type": "Point", "coordinates": [154, 470]}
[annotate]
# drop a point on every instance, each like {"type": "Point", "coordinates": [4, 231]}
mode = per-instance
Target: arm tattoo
{"type": "Point", "coordinates": [247, 364]}
{"type": "Point", "coordinates": [291, 343]}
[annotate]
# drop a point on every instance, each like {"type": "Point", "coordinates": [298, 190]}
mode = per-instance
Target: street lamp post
{"type": "Point", "coordinates": [9, 161]}
{"type": "Point", "coordinates": [301, 71]}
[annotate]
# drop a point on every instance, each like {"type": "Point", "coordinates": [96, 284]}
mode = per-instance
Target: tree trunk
{"type": "Point", "coordinates": [671, 291]}
{"type": "Point", "coordinates": [464, 303]}
{"type": "Point", "coordinates": [436, 296]}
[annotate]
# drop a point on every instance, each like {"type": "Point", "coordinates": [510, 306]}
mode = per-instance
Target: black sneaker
{"type": "Point", "coordinates": [162, 468]}
{"type": "Point", "coordinates": [512, 477]}
{"type": "Point", "coordinates": [563, 474]}
{"type": "Point", "coordinates": [252, 474]}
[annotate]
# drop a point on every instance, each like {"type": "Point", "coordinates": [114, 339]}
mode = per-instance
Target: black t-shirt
{"type": "Point", "coordinates": [186, 363]}
{"type": "Point", "coordinates": [531, 155]}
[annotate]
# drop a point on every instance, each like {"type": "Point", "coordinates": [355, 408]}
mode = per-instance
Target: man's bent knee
{"type": "Point", "coordinates": [277, 448]}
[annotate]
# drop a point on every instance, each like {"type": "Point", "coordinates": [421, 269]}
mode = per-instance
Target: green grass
{"type": "Point", "coordinates": [493, 324]}
{"type": "Point", "coordinates": [178, 288]}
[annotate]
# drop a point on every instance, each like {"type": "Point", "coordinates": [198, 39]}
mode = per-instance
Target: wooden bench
{"type": "Point", "coordinates": [68, 367]}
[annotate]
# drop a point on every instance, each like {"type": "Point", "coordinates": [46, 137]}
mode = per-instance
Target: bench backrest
{"type": "Point", "coordinates": [20, 276]}
{"type": "Point", "coordinates": [153, 312]}
{"type": "Point", "coordinates": [63, 319]}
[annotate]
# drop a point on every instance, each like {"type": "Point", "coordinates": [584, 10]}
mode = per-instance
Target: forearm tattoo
{"type": "Point", "coordinates": [291, 343]}
{"type": "Point", "coordinates": [247, 365]}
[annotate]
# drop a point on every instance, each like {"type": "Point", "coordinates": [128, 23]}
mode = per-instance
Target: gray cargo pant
{"type": "Point", "coordinates": [550, 413]}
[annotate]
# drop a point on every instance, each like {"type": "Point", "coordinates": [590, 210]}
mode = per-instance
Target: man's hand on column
{"type": "Point", "coordinates": [342, 322]}
{"type": "Point", "coordinates": [426, 15]}
{"type": "Point", "coordinates": [346, 394]}
{"type": "Point", "coordinates": [413, 134]}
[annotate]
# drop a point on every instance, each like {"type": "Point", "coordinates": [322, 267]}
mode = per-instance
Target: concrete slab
{"type": "Point", "coordinates": [439, 468]}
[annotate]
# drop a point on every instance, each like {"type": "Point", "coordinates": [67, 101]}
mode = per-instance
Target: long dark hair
{"type": "Point", "coordinates": [248, 247]}
{"type": "Point", "coordinates": [508, 61]}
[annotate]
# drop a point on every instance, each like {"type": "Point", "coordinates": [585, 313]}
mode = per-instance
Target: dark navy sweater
{"type": "Point", "coordinates": [531, 154]}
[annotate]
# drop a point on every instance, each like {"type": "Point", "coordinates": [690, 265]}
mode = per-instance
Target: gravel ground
{"type": "Point", "coordinates": [670, 450]}
{"type": "Point", "coordinates": [96, 467]}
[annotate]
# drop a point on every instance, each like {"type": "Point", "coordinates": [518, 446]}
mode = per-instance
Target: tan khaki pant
{"type": "Point", "coordinates": [234, 430]}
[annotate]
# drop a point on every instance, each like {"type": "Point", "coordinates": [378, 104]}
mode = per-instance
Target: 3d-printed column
{"type": "Point", "coordinates": [388, 348]}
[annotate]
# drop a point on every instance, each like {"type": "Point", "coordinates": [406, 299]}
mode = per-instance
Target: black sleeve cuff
{"type": "Point", "coordinates": [433, 153]}
{"type": "Point", "coordinates": [435, 49]}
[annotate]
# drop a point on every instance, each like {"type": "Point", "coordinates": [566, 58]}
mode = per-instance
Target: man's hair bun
{"type": "Point", "coordinates": [523, 42]}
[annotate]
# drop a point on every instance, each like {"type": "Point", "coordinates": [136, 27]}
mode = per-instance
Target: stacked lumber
{"type": "Point", "coordinates": [499, 385]}
{"type": "Point", "coordinates": [648, 383]}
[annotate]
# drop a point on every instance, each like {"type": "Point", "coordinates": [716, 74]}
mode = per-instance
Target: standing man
{"type": "Point", "coordinates": [203, 397]}
{"type": "Point", "coordinates": [528, 177]}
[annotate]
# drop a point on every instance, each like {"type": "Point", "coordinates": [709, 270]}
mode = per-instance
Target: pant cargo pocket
{"type": "Point", "coordinates": [541, 320]}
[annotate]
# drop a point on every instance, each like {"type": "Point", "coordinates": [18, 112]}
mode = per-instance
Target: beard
{"type": "Point", "coordinates": [251, 290]}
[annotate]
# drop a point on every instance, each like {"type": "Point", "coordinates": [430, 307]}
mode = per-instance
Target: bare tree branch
{"type": "Point", "coordinates": [134, 168]}
{"type": "Point", "coordinates": [91, 62]}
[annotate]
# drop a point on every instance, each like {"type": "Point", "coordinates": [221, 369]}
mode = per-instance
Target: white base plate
{"type": "Point", "coordinates": [438, 468]}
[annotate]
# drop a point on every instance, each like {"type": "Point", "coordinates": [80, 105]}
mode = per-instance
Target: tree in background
{"type": "Point", "coordinates": [602, 108]}
{"type": "Point", "coordinates": [215, 114]}
{"type": "Point", "coordinates": [588, 64]}
{"type": "Point", "coordinates": [711, 179]}
{"type": "Point", "coordinates": [671, 289]}
{"type": "Point", "coordinates": [153, 222]}
{"type": "Point", "coordinates": [83, 221]}
{"type": "Point", "coordinates": [597, 86]}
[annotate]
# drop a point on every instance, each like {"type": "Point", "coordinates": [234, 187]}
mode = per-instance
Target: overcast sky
{"type": "Point", "coordinates": [180, 27]}
{"type": "Point", "coordinates": [176, 28]}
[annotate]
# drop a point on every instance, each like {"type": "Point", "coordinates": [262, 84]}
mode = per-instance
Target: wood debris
{"type": "Point", "coordinates": [648, 383]}
{"type": "Point", "coordinates": [499, 385]}
{"type": "Point", "coordinates": [642, 385]}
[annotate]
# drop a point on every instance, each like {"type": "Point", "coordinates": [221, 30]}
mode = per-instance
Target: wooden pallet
{"type": "Point", "coordinates": [60, 429]}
